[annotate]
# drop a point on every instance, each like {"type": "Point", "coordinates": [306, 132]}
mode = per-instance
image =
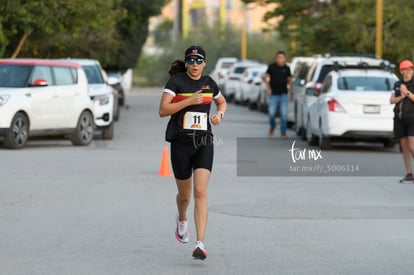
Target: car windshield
{"type": "Point", "coordinates": [93, 73]}
{"type": "Point", "coordinates": [14, 76]}
{"type": "Point", "coordinates": [365, 83]}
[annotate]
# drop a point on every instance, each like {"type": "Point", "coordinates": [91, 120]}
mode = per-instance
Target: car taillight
{"type": "Point", "coordinates": [334, 106]}
{"type": "Point", "coordinates": [318, 87]}
{"type": "Point", "coordinates": [233, 78]}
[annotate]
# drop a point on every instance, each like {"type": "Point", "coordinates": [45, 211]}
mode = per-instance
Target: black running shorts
{"type": "Point", "coordinates": [185, 158]}
{"type": "Point", "coordinates": [403, 127]}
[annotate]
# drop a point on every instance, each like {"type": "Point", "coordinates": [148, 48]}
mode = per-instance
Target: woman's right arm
{"type": "Point", "coordinates": [167, 107]}
{"type": "Point", "coordinates": [396, 99]}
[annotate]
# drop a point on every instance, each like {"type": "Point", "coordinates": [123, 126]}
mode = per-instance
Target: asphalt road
{"type": "Point", "coordinates": [103, 209]}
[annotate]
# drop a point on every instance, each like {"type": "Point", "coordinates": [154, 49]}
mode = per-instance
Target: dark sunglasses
{"type": "Point", "coordinates": [191, 61]}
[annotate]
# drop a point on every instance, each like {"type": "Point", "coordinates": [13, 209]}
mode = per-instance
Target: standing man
{"type": "Point", "coordinates": [277, 79]}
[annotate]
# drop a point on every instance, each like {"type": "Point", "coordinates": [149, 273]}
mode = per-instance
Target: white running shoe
{"type": "Point", "coordinates": [181, 232]}
{"type": "Point", "coordinates": [199, 252]}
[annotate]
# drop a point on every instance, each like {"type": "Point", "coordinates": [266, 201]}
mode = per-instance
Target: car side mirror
{"type": "Point", "coordinates": [40, 82]}
{"type": "Point", "coordinates": [112, 81]}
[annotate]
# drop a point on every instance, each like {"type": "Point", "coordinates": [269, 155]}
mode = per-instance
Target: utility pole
{"type": "Point", "coordinates": [179, 20]}
{"type": "Point", "coordinates": [243, 46]}
{"type": "Point", "coordinates": [222, 13]}
{"type": "Point", "coordinates": [378, 42]}
{"type": "Point", "coordinates": [185, 25]}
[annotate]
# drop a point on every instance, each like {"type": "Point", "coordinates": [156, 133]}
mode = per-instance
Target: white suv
{"type": "Point", "coordinates": [102, 96]}
{"type": "Point", "coordinates": [221, 70]}
{"type": "Point", "coordinates": [44, 97]}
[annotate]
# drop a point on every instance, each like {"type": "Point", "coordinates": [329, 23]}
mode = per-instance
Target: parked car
{"type": "Point", "coordinates": [299, 80]}
{"type": "Point", "coordinates": [353, 105]}
{"type": "Point", "coordinates": [242, 94]}
{"type": "Point", "coordinates": [298, 61]}
{"type": "Point", "coordinates": [44, 98]}
{"type": "Point", "coordinates": [255, 94]}
{"type": "Point", "coordinates": [221, 70]}
{"type": "Point", "coordinates": [117, 96]}
{"type": "Point", "coordinates": [316, 75]}
{"type": "Point", "coordinates": [115, 80]}
{"type": "Point", "coordinates": [102, 96]}
{"type": "Point", "coordinates": [232, 80]}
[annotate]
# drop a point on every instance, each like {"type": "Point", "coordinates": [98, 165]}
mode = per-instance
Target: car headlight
{"type": "Point", "coordinates": [4, 99]}
{"type": "Point", "coordinates": [103, 100]}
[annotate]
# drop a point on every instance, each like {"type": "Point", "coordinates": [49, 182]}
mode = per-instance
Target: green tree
{"type": "Point", "coordinates": [346, 26]}
{"type": "Point", "coordinates": [133, 31]}
{"type": "Point", "coordinates": [112, 31]}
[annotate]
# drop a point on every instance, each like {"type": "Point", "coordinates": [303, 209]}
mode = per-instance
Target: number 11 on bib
{"type": "Point", "coordinates": [195, 121]}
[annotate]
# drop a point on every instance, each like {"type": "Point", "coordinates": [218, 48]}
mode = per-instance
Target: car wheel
{"type": "Point", "coordinates": [117, 113]}
{"type": "Point", "coordinates": [303, 133]}
{"type": "Point", "coordinates": [389, 143]}
{"type": "Point", "coordinates": [121, 101]}
{"type": "Point", "coordinates": [83, 134]}
{"type": "Point", "coordinates": [252, 105]}
{"type": "Point", "coordinates": [290, 124]}
{"type": "Point", "coordinates": [18, 134]}
{"type": "Point", "coordinates": [298, 128]}
{"type": "Point", "coordinates": [310, 137]}
{"type": "Point", "coordinates": [108, 132]}
{"type": "Point", "coordinates": [324, 142]}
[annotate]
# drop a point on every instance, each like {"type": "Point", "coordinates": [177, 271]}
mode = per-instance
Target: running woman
{"type": "Point", "coordinates": [404, 115]}
{"type": "Point", "coordinates": [187, 99]}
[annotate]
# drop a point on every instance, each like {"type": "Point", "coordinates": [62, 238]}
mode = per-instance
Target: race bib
{"type": "Point", "coordinates": [195, 121]}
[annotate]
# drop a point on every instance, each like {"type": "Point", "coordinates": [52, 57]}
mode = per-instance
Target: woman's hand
{"type": "Point", "coordinates": [404, 90]}
{"type": "Point", "coordinates": [196, 98]}
{"type": "Point", "coordinates": [216, 119]}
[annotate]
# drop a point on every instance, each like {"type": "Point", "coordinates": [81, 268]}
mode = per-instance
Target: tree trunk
{"type": "Point", "coordinates": [20, 45]}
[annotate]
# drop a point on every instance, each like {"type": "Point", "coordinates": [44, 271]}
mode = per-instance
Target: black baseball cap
{"type": "Point", "coordinates": [195, 51]}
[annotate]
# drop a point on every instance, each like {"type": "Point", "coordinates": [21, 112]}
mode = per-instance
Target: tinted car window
{"type": "Point", "coordinates": [74, 73]}
{"type": "Point", "coordinates": [63, 76]}
{"type": "Point", "coordinates": [326, 69]}
{"type": "Point", "coordinates": [362, 83]}
{"type": "Point", "coordinates": [239, 70]}
{"type": "Point", "coordinates": [226, 65]}
{"type": "Point", "coordinates": [93, 73]}
{"type": "Point", "coordinates": [302, 71]}
{"type": "Point", "coordinates": [42, 72]}
{"type": "Point", "coordinates": [327, 85]}
{"type": "Point", "coordinates": [14, 76]}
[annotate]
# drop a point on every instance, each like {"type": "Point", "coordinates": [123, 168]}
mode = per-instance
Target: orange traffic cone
{"type": "Point", "coordinates": [165, 170]}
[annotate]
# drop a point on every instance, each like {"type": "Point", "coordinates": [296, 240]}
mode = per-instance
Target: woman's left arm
{"type": "Point", "coordinates": [221, 109]}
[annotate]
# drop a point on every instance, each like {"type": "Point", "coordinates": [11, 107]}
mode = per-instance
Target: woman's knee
{"type": "Point", "coordinates": [200, 193]}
